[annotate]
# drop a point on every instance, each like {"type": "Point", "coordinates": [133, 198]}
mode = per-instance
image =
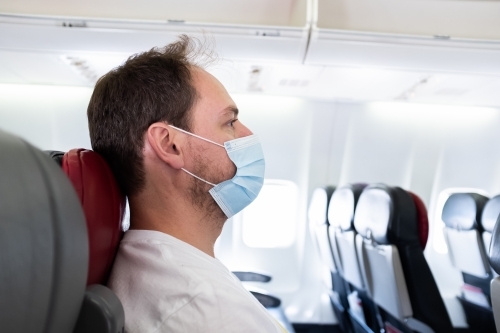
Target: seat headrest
{"type": "Point", "coordinates": [422, 219]}
{"type": "Point", "coordinates": [103, 205]}
{"type": "Point", "coordinates": [343, 204]}
{"type": "Point", "coordinates": [491, 211]}
{"type": "Point", "coordinates": [462, 211]}
{"type": "Point", "coordinates": [43, 242]}
{"type": "Point", "coordinates": [319, 205]}
{"type": "Point", "coordinates": [387, 215]}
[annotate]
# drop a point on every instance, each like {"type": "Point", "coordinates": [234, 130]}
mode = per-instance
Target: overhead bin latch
{"type": "Point", "coordinates": [74, 24]}
{"type": "Point", "coordinates": [272, 33]}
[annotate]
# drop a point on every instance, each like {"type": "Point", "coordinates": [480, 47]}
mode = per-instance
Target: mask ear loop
{"type": "Point", "coordinates": [202, 138]}
{"type": "Point", "coordinates": [195, 176]}
{"type": "Point", "coordinates": [197, 136]}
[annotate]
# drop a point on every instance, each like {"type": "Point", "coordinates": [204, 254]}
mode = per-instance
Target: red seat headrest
{"type": "Point", "coordinates": [103, 205]}
{"type": "Point", "coordinates": [422, 219]}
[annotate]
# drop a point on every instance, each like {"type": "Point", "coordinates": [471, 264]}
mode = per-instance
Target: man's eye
{"type": "Point", "coordinates": [231, 123]}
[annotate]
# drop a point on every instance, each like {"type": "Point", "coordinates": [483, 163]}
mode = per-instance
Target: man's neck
{"type": "Point", "coordinates": [176, 217]}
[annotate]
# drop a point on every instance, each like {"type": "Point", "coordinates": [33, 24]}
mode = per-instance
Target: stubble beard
{"type": "Point", "coordinates": [199, 194]}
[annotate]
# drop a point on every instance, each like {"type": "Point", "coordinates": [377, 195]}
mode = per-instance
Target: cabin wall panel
{"type": "Point", "coordinates": [49, 117]}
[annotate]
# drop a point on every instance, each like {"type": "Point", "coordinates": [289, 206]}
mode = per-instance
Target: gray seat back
{"type": "Point", "coordinates": [380, 260]}
{"type": "Point", "coordinates": [489, 217]}
{"type": "Point", "coordinates": [43, 242]}
{"type": "Point", "coordinates": [461, 215]}
{"type": "Point", "coordinates": [318, 224]}
{"type": "Point", "coordinates": [342, 233]}
{"type": "Point", "coordinates": [494, 259]}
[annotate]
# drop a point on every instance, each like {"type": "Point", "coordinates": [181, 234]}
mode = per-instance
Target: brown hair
{"type": "Point", "coordinates": [149, 87]}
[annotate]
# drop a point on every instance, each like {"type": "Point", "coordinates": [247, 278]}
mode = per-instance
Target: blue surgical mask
{"type": "Point", "coordinates": [235, 194]}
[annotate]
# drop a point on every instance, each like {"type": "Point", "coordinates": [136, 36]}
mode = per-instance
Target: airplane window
{"type": "Point", "coordinates": [438, 241]}
{"type": "Point", "coordinates": [270, 221]}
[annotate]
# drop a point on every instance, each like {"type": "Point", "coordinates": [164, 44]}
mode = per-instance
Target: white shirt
{"type": "Point", "coordinates": [167, 285]}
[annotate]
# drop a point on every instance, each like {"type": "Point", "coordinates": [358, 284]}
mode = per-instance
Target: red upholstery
{"type": "Point", "coordinates": [103, 205]}
{"type": "Point", "coordinates": [423, 219]}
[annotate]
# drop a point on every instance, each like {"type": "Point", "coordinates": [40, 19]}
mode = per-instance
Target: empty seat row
{"type": "Point", "coordinates": [376, 235]}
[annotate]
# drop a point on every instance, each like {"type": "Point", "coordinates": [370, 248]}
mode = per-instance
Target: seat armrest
{"type": "Point", "coordinates": [252, 276]}
{"type": "Point", "coordinates": [101, 312]}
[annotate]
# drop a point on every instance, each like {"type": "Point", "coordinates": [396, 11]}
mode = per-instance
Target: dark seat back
{"type": "Point", "coordinates": [43, 242]}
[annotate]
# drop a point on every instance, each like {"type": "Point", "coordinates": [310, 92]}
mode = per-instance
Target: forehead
{"type": "Point", "coordinates": [212, 96]}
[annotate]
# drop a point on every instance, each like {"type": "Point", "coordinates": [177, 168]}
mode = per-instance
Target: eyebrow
{"type": "Point", "coordinates": [231, 109]}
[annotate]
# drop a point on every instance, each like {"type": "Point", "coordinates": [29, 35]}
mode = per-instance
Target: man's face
{"type": "Point", "coordinates": [214, 116]}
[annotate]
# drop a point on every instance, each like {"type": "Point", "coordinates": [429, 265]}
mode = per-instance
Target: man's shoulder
{"type": "Point", "coordinates": [164, 284]}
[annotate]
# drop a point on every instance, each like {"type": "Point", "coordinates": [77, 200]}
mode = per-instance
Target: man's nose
{"type": "Point", "coordinates": [243, 131]}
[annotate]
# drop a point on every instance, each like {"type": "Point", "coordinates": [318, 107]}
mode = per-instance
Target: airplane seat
{"type": "Point", "coordinates": [392, 232]}
{"type": "Point", "coordinates": [462, 215]}
{"type": "Point", "coordinates": [361, 309]}
{"type": "Point", "coordinates": [489, 217]}
{"type": "Point", "coordinates": [103, 205]}
{"type": "Point", "coordinates": [319, 228]}
{"type": "Point", "coordinates": [494, 259]}
{"type": "Point", "coordinates": [318, 224]}
{"type": "Point", "coordinates": [43, 242]}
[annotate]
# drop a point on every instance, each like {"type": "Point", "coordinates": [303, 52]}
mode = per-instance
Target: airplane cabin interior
{"type": "Point", "coordinates": [379, 122]}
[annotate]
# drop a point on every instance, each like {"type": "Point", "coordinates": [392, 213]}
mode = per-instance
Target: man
{"type": "Point", "coordinates": [171, 134]}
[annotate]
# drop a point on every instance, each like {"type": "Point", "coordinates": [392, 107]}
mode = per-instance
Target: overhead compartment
{"type": "Point", "coordinates": [242, 30]}
{"type": "Point", "coordinates": [429, 36]}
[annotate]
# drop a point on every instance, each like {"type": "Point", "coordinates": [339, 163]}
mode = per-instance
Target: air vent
{"type": "Point", "coordinates": [81, 67]}
{"type": "Point", "coordinates": [294, 83]}
{"type": "Point", "coordinates": [451, 92]}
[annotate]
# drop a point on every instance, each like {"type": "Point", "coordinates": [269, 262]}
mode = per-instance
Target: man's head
{"type": "Point", "coordinates": [130, 111]}
{"type": "Point", "coordinates": [149, 87]}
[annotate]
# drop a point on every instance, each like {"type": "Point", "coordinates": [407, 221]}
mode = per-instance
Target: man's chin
{"type": "Point", "coordinates": [202, 201]}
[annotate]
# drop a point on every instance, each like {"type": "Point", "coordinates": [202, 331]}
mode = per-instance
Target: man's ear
{"type": "Point", "coordinates": [163, 143]}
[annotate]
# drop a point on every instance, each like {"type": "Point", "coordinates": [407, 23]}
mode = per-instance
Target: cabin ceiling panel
{"type": "Point", "coordinates": [358, 84]}
{"type": "Point", "coordinates": [458, 89]}
{"type": "Point", "coordinates": [242, 43]}
{"type": "Point", "coordinates": [457, 19]}
{"type": "Point", "coordinates": [260, 12]}
{"type": "Point", "coordinates": [341, 48]}
{"type": "Point", "coordinates": [37, 68]}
